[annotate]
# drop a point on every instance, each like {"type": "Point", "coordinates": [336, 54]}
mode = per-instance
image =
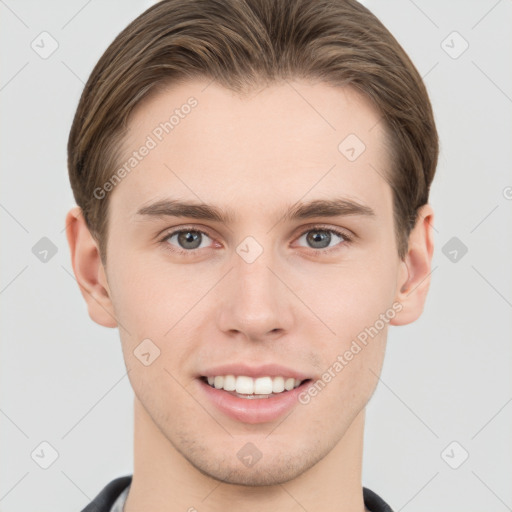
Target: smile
{"type": "Point", "coordinates": [252, 399]}
{"type": "Point", "coordinates": [248, 387]}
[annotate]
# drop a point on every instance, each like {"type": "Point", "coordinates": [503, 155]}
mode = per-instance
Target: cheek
{"type": "Point", "coordinates": [355, 307]}
{"type": "Point", "coordinates": [158, 302]}
{"type": "Point", "coordinates": [349, 298]}
{"type": "Point", "coordinates": [152, 295]}
{"type": "Point", "coordinates": [351, 365]}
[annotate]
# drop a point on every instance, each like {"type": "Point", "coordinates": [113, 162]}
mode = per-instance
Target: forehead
{"type": "Point", "coordinates": [278, 144]}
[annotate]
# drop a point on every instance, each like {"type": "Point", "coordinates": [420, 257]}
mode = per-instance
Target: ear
{"type": "Point", "coordinates": [414, 279]}
{"type": "Point", "coordinates": [88, 269]}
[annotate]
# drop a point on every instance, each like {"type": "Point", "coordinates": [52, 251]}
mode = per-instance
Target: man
{"type": "Point", "coordinates": [252, 181]}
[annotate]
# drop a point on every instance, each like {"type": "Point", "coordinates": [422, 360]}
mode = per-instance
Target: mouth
{"type": "Point", "coordinates": [243, 386]}
{"type": "Point", "coordinates": [259, 399]}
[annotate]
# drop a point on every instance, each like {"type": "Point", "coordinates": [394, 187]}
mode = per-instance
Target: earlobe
{"type": "Point", "coordinates": [414, 276]}
{"type": "Point", "coordinates": [88, 269]}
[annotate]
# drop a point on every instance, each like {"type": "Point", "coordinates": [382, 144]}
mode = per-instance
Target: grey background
{"type": "Point", "coordinates": [446, 377]}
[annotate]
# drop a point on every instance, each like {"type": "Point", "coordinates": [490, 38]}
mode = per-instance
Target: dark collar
{"type": "Point", "coordinates": [108, 495]}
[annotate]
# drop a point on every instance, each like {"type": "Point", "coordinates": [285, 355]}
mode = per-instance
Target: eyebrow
{"type": "Point", "coordinates": [316, 208]}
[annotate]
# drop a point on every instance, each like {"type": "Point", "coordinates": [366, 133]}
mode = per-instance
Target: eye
{"type": "Point", "coordinates": [320, 237]}
{"type": "Point", "coordinates": [186, 240]}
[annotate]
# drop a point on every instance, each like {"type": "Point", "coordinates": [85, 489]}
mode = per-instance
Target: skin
{"type": "Point", "coordinates": [294, 305]}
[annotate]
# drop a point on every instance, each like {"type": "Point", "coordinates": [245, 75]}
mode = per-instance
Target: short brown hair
{"type": "Point", "coordinates": [242, 43]}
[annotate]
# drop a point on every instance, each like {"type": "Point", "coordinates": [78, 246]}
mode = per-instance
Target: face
{"type": "Point", "coordinates": [275, 286]}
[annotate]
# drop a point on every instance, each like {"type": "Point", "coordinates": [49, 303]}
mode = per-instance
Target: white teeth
{"type": "Point", "coordinates": [288, 384]}
{"type": "Point", "coordinates": [229, 383]}
{"type": "Point", "coordinates": [248, 386]}
{"type": "Point", "coordinates": [277, 384]}
{"type": "Point", "coordinates": [263, 386]}
{"type": "Point", "coordinates": [244, 385]}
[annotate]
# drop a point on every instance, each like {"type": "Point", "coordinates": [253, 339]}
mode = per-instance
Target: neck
{"type": "Point", "coordinates": [165, 481]}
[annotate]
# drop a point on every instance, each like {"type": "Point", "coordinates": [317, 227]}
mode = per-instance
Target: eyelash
{"type": "Point", "coordinates": [176, 250]}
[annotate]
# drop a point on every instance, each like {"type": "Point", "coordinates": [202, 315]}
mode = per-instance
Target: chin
{"type": "Point", "coordinates": [264, 475]}
{"type": "Point", "coordinates": [276, 467]}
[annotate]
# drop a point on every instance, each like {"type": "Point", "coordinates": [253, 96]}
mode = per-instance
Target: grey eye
{"type": "Point", "coordinates": [188, 239]}
{"type": "Point", "coordinates": [320, 238]}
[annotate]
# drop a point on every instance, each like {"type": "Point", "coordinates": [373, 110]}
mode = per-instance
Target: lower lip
{"type": "Point", "coordinates": [253, 410]}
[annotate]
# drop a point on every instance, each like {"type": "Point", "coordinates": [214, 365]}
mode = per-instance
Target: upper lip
{"type": "Point", "coordinates": [263, 370]}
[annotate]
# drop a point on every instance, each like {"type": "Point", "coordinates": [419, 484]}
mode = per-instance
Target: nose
{"type": "Point", "coordinates": [254, 302]}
